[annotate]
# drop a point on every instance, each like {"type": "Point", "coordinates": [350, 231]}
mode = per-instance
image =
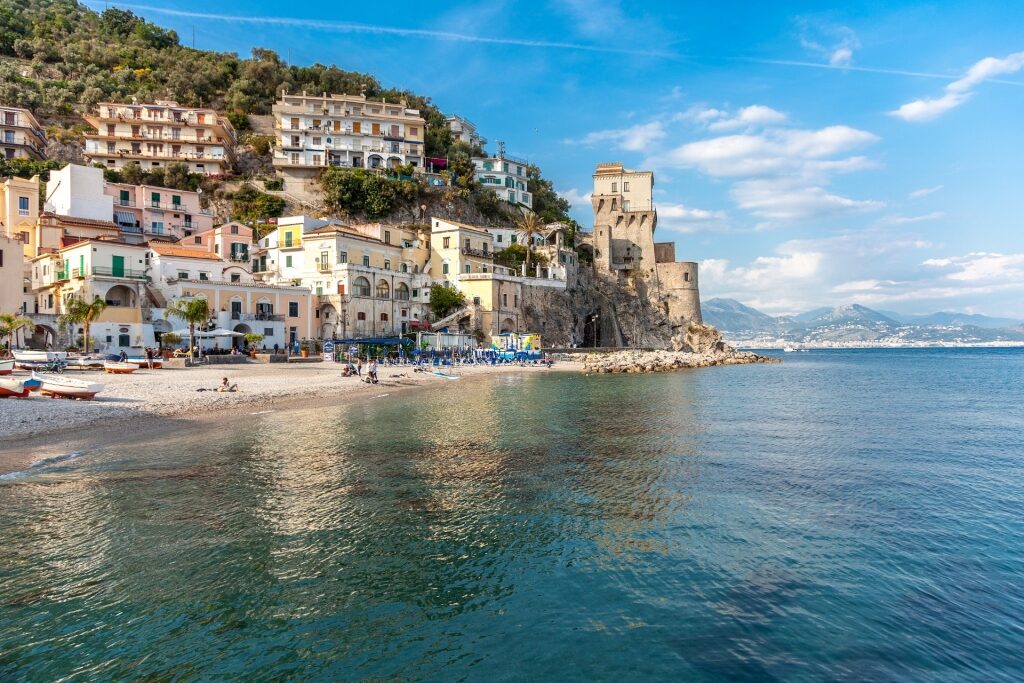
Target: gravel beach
{"type": "Point", "coordinates": [37, 426]}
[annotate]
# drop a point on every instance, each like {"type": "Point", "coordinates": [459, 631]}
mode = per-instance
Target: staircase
{"type": "Point", "coordinates": [450, 319]}
{"type": "Point", "coordinates": [155, 297]}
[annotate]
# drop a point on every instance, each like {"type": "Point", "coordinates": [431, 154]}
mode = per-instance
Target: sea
{"type": "Point", "coordinates": [844, 515]}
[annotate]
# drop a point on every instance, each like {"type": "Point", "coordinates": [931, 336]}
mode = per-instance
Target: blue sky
{"type": "Point", "coordinates": [805, 156]}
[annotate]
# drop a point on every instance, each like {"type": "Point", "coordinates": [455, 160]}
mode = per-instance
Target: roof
{"type": "Point", "coordinates": [167, 249]}
{"type": "Point", "coordinates": [341, 230]}
{"type": "Point", "coordinates": [462, 226]}
{"type": "Point", "coordinates": [82, 222]}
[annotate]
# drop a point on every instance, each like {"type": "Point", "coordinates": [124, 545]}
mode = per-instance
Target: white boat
{"type": "Point", "coordinates": [82, 362]}
{"type": "Point", "coordinates": [65, 387]}
{"type": "Point", "coordinates": [116, 368]}
{"type": "Point", "coordinates": [788, 349]}
{"type": "Point", "coordinates": [158, 362]}
{"type": "Point", "coordinates": [6, 367]}
{"type": "Point", "coordinates": [34, 356]}
{"type": "Point", "coordinates": [12, 388]}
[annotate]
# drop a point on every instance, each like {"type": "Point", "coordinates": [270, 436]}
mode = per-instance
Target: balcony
{"type": "Point", "coordinates": [239, 258]}
{"type": "Point", "coordinates": [62, 276]}
{"type": "Point", "coordinates": [126, 273]}
{"type": "Point", "coordinates": [130, 203]}
{"type": "Point", "coordinates": [466, 251]}
{"type": "Point", "coordinates": [257, 317]}
{"type": "Point", "coordinates": [130, 229]}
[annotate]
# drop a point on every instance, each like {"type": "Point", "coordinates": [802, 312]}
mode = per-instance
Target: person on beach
{"type": "Point", "coordinates": [225, 386]}
{"type": "Point", "coordinates": [122, 357]}
{"type": "Point", "coordinates": [359, 367]}
{"type": "Point", "coordinates": [149, 358]}
{"type": "Point", "coordinates": [371, 374]}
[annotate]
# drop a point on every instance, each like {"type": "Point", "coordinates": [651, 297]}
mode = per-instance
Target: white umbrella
{"type": "Point", "coordinates": [220, 332]}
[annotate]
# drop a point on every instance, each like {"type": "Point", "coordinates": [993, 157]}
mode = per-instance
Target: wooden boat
{"type": "Point", "coordinates": [65, 387]}
{"type": "Point", "coordinates": [12, 388]}
{"type": "Point", "coordinates": [84, 363]}
{"type": "Point", "coordinates": [116, 368]}
{"type": "Point", "coordinates": [34, 356]}
{"type": "Point", "coordinates": [33, 383]}
{"type": "Point", "coordinates": [6, 367]}
{"type": "Point", "coordinates": [142, 363]}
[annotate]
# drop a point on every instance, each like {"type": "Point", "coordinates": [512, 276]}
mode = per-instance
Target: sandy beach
{"type": "Point", "coordinates": [148, 401]}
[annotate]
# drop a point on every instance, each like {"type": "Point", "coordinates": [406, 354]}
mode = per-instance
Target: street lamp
{"type": "Point", "coordinates": [594, 320]}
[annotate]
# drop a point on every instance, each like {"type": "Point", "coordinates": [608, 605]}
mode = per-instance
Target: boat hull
{"type": "Point", "coordinates": [11, 388]}
{"type": "Point", "coordinates": [63, 387]}
{"type": "Point", "coordinates": [120, 368]}
{"type": "Point", "coordinates": [30, 356]}
{"type": "Point", "coordinates": [143, 363]}
{"type": "Point", "coordinates": [6, 367]}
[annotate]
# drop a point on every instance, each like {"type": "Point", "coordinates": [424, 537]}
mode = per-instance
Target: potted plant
{"type": "Point", "coordinates": [304, 348]}
{"type": "Point", "coordinates": [167, 341]}
{"type": "Point", "coordinates": [253, 339]}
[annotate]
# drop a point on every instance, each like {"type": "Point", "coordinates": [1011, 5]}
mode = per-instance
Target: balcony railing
{"type": "Point", "coordinates": [466, 251]}
{"type": "Point", "coordinates": [131, 229]}
{"type": "Point", "coordinates": [62, 276]}
{"type": "Point", "coordinates": [127, 273]}
{"type": "Point", "coordinates": [267, 317]}
{"type": "Point", "coordinates": [130, 203]}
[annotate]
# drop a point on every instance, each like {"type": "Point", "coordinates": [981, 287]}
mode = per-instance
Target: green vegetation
{"type": "Point", "coordinates": [10, 323]}
{"type": "Point", "coordinates": [81, 312]}
{"type": "Point", "coordinates": [193, 311]}
{"type": "Point", "coordinates": [444, 300]}
{"type": "Point", "coordinates": [514, 256]}
{"type": "Point", "coordinates": [357, 190]}
{"type": "Point", "coordinates": [26, 168]}
{"type": "Point", "coordinates": [173, 176]}
{"type": "Point", "coordinates": [249, 205]}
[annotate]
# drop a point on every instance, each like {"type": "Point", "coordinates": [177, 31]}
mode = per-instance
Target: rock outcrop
{"type": "Point", "coordinates": [634, 362]}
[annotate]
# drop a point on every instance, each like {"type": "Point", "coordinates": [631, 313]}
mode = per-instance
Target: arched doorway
{"type": "Point", "coordinates": [42, 337]}
{"type": "Point", "coordinates": [121, 296]}
{"type": "Point", "coordinates": [240, 342]}
{"type": "Point", "coordinates": [508, 325]}
{"type": "Point", "coordinates": [328, 322]}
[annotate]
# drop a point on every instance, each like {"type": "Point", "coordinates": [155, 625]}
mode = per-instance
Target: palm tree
{"type": "Point", "coordinates": [81, 312]}
{"type": "Point", "coordinates": [530, 225]}
{"type": "Point", "coordinates": [11, 323]}
{"type": "Point", "coordinates": [192, 311]}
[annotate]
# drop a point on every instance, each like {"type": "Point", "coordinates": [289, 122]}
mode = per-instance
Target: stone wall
{"type": "Point", "coordinates": [680, 291]}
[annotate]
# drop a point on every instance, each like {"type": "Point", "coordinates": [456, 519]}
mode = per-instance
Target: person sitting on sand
{"type": "Point", "coordinates": [225, 386]}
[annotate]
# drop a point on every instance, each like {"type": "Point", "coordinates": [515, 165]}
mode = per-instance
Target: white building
{"type": "Point", "coordinates": [464, 130]}
{"type": "Point", "coordinates": [506, 176]}
{"type": "Point", "coordinates": [77, 191]}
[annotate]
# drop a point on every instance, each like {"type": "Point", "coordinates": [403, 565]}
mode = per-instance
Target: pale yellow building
{"type": "Point", "coordinates": [19, 210]}
{"type": "Point", "coordinates": [159, 134]}
{"type": "Point", "coordinates": [459, 249]}
{"type": "Point", "coordinates": [12, 276]}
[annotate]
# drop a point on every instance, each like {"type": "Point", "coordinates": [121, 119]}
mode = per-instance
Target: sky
{"type": "Point", "coordinates": [804, 155]}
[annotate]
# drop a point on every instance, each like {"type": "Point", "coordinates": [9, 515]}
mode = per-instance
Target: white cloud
{"type": "Point", "coordinates": [754, 115]}
{"type": "Point", "coordinates": [982, 267]}
{"type": "Point", "coordinates": [960, 91]}
{"type": "Point", "coordinates": [924, 192]}
{"type": "Point", "coordinates": [771, 283]}
{"type": "Point", "coordinates": [862, 286]}
{"type": "Point", "coordinates": [638, 138]}
{"type": "Point", "coordinates": [835, 43]}
{"type": "Point", "coordinates": [687, 219]}
{"type": "Point", "coordinates": [786, 200]}
{"type": "Point", "coordinates": [907, 220]}
{"type": "Point", "coordinates": [576, 198]}
{"type": "Point", "coordinates": [774, 152]}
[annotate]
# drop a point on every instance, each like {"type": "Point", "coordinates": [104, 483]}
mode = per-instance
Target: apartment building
{"type": "Point", "coordinates": [158, 212]}
{"type": "Point", "coordinates": [459, 249]}
{"type": "Point", "coordinates": [367, 280]}
{"type": "Point", "coordinates": [316, 131]}
{"type": "Point", "coordinates": [12, 276]}
{"type": "Point", "coordinates": [506, 176]}
{"type": "Point", "coordinates": [464, 130]}
{"type": "Point", "coordinates": [21, 136]}
{"type": "Point", "coordinates": [158, 134]}
{"type": "Point", "coordinates": [230, 241]}
{"type": "Point", "coordinates": [283, 314]}
{"type": "Point", "coordinates": [19, 210]}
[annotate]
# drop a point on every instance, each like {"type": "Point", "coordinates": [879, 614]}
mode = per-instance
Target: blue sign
{"type": "Point", "coordinates": [328, 346]}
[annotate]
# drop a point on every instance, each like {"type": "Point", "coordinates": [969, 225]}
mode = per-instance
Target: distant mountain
{"type": "Point", "coordinates": [856, 323]}
{"type": "Point", "coordinates": [732, 316]}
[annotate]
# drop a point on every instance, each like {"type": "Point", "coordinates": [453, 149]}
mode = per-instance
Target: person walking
{"type": "Point", "coordinates": [149, 358]}
{"type": "Point", "coordinates": [372, 372]}
{"type": "Point", "coordinates": [359, 367]}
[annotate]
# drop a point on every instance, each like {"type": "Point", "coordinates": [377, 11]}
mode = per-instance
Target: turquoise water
{"type": "Point", "coordinates": [845, 515]}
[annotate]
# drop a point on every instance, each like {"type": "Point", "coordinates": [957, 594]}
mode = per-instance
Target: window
{"type": "Point", "coordinates": [615, 188]}
{"type": "Point", "coordinates": [383, 317]}
{"type": "Point", "coordinates": [325, 259]}
{"type": "Point", "coordinates": [204, 276]}
{"type": "Point", "coordinates": [686, 277]}
{"type": "Point", "coordinates": [387, 237]}
{"type": "Point", "coordinates": [234, 229]}
{"type": "Point", "coordinates": [360, 316]}
{"type": "Point", "coordinates": [625, 186]}
{"type": "Point", "coordinates": [236, 277]}
{"type": "Point", "coordinates": [516, 300]}
{"type": "Point", "coordinates": [22, 206]}
{"type": "Point", "coordinates": [504, 299]}
{"type": "Point", "coordinates": [499, 238]}
{"type": "Point", "coordinates": [625, 205]}
{"type": "Point", "coordinates": [404, 267]}
{"type": "Point", "coordinates": [288, 261]}
{"type": "Point", "coordinates": [366, 260]}
{"type": "Point", "coordinates": [361, 287]}
{"type": "Point", "coordinates": [199, 240]}
{"type": "Point", "coordinates": [515, 239]}
{"type": "Point", "coordinates": [293, 309]}
{"type": "Point", "coordinates": [287, 239]}
{"type": "Point", "coordinates": [446, 242]}
{"type": "Point", "coordinates": [414, 130]}
{"type": "Point", "coordinates": [268, 331]}
{"type": "Point", "coordinates": [342, 257]}
{"type": "Point", "coordinates": [468, 268]}
{"type": "Point", "coordinates": [383, 290]}
{"type": "Point", "coordinates": [182, 274]}
{"type": "Point", "coordinates": [387, 264]}
{"type": "Point", "coordinates": [415, 293]}
{"type": "Point", "coordinates": [444, 268]}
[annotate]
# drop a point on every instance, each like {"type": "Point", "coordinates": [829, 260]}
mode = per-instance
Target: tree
{"type": "Point", "coordinates": [192, 311]}
{"type": "Point", "coordinates": [11, 323]}
{"type": "Point", "coordinates": [529, 226]}
{"type": "Point", "coordinates": [444, 300]}
{"type": "Point", "coordinates": [176, 176]}
{"type": "Point", "coordinates": [249, 205]}
{"type": "Point", "coordinates": [547, 203]}
{"type": "Point", "coordinates": [78, 311]}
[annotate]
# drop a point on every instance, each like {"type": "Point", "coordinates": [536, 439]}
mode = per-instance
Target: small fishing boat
{"type": "Point", "coordinates": [12, 388]}
{"type": "Point", "coordinates": [33, 383]}
{"type": "Point", "coordinates": [116, 368]}
{"type": "Point", "coordinates": [85, 363]}
{"type": "Point", "coordinates": [143, 363]}
{"type": "Point", "coordinates": [6, 367]}
{"type": "Point", "coordinates": [64, 387]}
{"type": "Point", "coordinates": [438, 373]}
{"type": "Point", "coordinates": [34, 356]}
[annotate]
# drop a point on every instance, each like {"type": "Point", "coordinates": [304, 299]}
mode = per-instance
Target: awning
{"type": "Point", "coordinates": [124, 218]}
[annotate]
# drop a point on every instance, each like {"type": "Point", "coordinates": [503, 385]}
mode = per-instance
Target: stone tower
{"type": "Point", "coordinates": [625, 219]}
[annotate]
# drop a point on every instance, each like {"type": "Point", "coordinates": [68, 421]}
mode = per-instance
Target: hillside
{"type": "Point", "coordinates": [855, 324]}
{"type": "Point", "coordinates": [58, 58]}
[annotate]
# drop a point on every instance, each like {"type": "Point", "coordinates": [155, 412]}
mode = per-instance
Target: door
{"type": "Point", "coordinates": [124, 198]}
{"type": "Point", "coordinates": [236, 310]}
{"type": "Point", "coordinates": [117, 266]}
{"type": "Point", "coordinates": [81, 265]}
{"type": "Point", "coordinates": [124, 340]}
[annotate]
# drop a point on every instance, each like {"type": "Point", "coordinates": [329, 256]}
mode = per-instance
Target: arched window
{"type": "Point", "coordinates": [405, 267]}
{"type": "Point", "coordinates": [361, 287]}
{"type": "Point", "coordinates": [383, 290]}
{"type": "Point", "coordinates": [402, 291]}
